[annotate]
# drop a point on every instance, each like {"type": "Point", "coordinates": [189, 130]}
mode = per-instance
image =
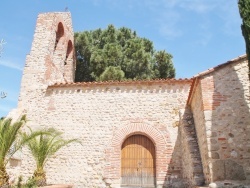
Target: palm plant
{"type": "Point", "coordinates": [42, 148]}
{"type": "Point", "coordinates": [10, 141]}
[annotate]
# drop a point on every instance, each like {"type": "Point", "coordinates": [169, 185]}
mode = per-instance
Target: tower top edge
{"type": "Point", "coordinates": [54, 13]}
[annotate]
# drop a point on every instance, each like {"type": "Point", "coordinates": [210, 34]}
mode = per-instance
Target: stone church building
{"type": "Point", "coordinates": [157, 133]}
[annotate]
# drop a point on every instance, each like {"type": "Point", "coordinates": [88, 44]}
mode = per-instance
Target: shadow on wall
{"type": "Point", "coordinates": [227, 123]}
{"type": "Point", "coordinates": [174, 177]}
{"type": "Point", "coordinates": [213, 142]}
{"type": "Point", "coordinates": [185, 169]}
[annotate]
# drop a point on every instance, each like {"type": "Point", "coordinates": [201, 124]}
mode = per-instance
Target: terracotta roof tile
{"type": "Point", "coordinates": [68, 84]}
{"type": "Point", "coordinates": [221, 65]}
{"type": "Point", "coordinates": [196, 77]}
{"type": "Point", "coordinates": [120, 82]}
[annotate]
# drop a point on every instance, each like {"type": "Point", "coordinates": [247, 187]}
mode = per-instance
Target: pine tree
{"type": "Point", "coordinates": [119, 54]}
{"type": "Point", "coordinates": [244, 9]}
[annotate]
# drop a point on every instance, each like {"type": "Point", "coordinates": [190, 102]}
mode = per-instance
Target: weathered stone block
{"type": "Point", "coordinates": [214, 147]}
{"type": "Point", "coordinates": [227, 170]}
{"type": "Point", "coordinates": [215, 155]}
{"type": "Point", "coordinates": [234, 171]}
{"type": "Point", "coordinates": [218, 170]}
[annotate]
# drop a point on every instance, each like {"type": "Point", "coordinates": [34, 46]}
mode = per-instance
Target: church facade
{"type": "Point", "coordinates": [158, 133]}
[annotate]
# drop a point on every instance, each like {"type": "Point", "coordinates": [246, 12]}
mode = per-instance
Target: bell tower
{"type": "Point", "coordinates": [52, 58]}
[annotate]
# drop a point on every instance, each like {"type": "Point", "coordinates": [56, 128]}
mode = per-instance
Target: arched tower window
{"type": "Point", "coordinates": [59, 33]}
{"type": "Point", "coordinates": [68, 68]}
{"type": "Point", "coordinates": [69, 51]}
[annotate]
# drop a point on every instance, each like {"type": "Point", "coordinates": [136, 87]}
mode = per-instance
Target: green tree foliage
{"type": "Point", "coordinates": [162, 67]}
{"type": "Point", "coordinates": [244, 9]}
{"type": "Point", "coordinates": [119, 54]}
{"type": "Point", "coordinates": [44, 146]}
{"type": "Point", "coordinates": [10, 141]}
{"type": "Point", "coordinates": [112, 73]}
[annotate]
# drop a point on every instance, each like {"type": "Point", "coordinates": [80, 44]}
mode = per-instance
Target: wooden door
{"type": "Point", "coordinates": [138, 162]}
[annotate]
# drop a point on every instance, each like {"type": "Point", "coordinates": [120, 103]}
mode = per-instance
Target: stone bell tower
{"type": "Point", "coordinates": [52, 57]}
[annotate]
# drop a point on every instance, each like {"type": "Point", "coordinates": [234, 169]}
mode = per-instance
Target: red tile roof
{"type": "Point", "coordinates": [221, 65]}
{"type": "Point", "coordinates": [121, 82]}
{"type": "Point", "coordinates": [196, 77]}
{"type": "Point", "coordinates": [70, 84]}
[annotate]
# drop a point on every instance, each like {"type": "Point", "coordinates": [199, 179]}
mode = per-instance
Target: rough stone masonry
{"type": "Point", "coordinates": [200, 127]}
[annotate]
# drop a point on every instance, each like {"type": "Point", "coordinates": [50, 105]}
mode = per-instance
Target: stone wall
{"type": "Point", "coordinates": [95, 114]}
{"type": "Point", "coordinates": [221, 112]}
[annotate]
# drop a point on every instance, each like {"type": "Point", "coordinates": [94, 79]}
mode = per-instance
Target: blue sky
{"type": "Point", "coordinates": [199, 34]}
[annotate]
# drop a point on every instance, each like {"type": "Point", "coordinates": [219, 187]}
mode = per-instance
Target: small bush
{"type": "Point", "coordinates": [30, 183]}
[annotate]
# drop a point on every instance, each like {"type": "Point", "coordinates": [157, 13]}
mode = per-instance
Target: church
{"type": "Point", "coordinates": [144, 133]}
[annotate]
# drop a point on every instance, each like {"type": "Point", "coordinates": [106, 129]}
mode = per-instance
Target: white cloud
{"type": "Point", "coordinates": [204, 39]}
{"type": "Point", "coordinates": [167, 18]}
{"type": "Point", "coordinates": [198, 6]}
{"type": "Point", "coordinates": [226, 12]}
{"type": "Point", "coordinates": [167, 15]}
{"type": "Point", "coordinates": [170, 31]}
{"type": "Point", "coordinates": [167, 23]}
{"type": "Point", "coordinates": [5, 108]}
{"type": "Point", "coordinates": [170, 14]}
{"type": "Point", "coordinates": [231, 18]}
{"type": "Point", "coordinates": [96, 2]}
{"type": "Point", "coordinates": [11, 65]}
{"type": "Point", "coordinates": [204, 36]}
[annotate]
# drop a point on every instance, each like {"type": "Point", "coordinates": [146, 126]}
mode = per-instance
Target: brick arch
{"type": "Point", "coordinates": [113, 152]}
{"type": "Point", "coordinates": [69, 62]}
{"type": "Point", "coordinates": [63, 56]}
{"type": "Point", "coordinates": [62, 33]}
{"type": "Point", "coordinates": [59, 33]}
{"type": "Point", "coordinates": [65, 34]}
{"type": "Point", "coordinates": [69, 51]}
{"type": "Point", "coordinates": [59, 42]}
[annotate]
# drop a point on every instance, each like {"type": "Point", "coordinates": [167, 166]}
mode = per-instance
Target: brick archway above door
{"type": "Point", "coordinates": [112, 169]}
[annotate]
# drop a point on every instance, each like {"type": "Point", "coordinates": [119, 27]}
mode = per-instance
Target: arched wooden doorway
{"type": "Point", "coordinates": [138, 162]}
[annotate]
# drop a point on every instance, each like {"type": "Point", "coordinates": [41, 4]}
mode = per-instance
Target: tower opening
{"type": "Point", "coordinates": [59, 33]}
